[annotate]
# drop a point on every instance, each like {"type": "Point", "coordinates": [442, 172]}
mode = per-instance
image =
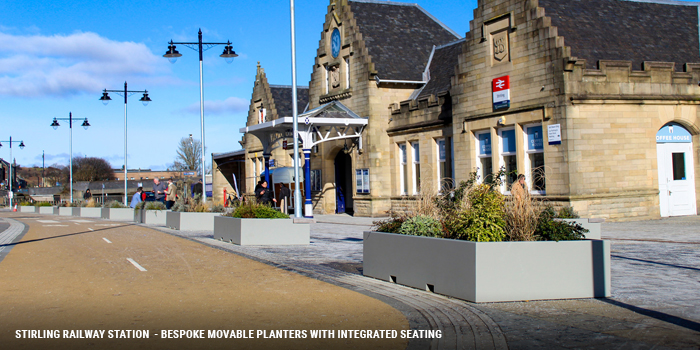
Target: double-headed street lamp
{"type": "Point", "coordinates": [172, 56]}
{"type": "Point", "coordinates": [126, 93]}
{"type": "Point", "coordinates": [55, 126]}
{"type": "Point", "coordinates": [21, 146]}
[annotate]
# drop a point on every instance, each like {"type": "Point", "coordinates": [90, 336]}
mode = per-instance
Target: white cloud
{"type": "Point", "coordinates": [62, 65]}
{"type": "Point", "coordinates": [229, 105]}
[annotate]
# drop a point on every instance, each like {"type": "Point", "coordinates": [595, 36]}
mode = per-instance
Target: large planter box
{"type": "Point", "coordinates": [151, 217]}
{"type": "Point", "coordinates": [47, 210]}
{"type": "Point", "coordinates": [27, 209]}
{"type": "Point", "coordinates": [592, 225]}
{"type": "Point", "coordinates": [66, 211]}
{"type": "Point", "coordinates": [190, 221]}
{"type": "Point", "coordinates": [90, 212]}
{"type": "Point", "coordinates": [261, 231]}
{"type": "Point", "coordinates": [118, 214]}
{"type": "Point", "coordinates": [490, 271]}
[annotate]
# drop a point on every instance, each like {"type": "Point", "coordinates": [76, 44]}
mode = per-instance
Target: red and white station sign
{"type": "Point", "coordinates": [501, 92]}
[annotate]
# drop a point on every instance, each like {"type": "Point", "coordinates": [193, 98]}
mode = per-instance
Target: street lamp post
{"type": "Point", "coordinates": [126, 93]}
{"type": "Point", "coordinates": [55, 126]}
{"type": "Point", "coordinates": [172, 56]}
{"type": "Point", "coordinates": [21, 146]}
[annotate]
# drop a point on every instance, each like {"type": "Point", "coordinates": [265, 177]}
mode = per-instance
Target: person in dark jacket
{"type": "Point", "coordinates": [263, 194]}
{"type": "Point", "coordinates": [285, 195]}
{"type": "Point", "coordinates": [197, 189]}
{"type": "Point", "coordinates": [87, 195]}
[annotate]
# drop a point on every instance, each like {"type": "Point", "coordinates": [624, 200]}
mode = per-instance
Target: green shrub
{"type": "Point", "coordinates": [155, 205]}
{"type": "Point", "coordinates": [115, 204]}
{"type": "Point", "coordinates": [550, 229]}
{"type": "Point", "coordinates": [567, 213]}
{"type": "Point", "coordinates": [421, 226]}
{"type": "Point", "coordinates": [25, 204]}
{"type": "Point", "coordinates": [480, 219]}
{"type": "Point", "coordinates": [390, 225]}
{"type": "Point", "coordinates": [43, 204]}
{"type": "Point", "coordinates": [257, 211]}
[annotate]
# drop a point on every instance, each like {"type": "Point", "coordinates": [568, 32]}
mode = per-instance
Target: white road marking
{"type": "Point", "coordinates": [81, 221]}
{"type": "Point", "coordinates": [136, 264]}
{"type": "Point", "coordinates": [108, 224]}
{"type": "Point", "coordinates": [106, 240]}
{"type": "Point", "coordinates": [54, 225]}
{"type": "Point", "coordinates": [48, 221]}
{"type": "Point", "coordinates": [90, 229]}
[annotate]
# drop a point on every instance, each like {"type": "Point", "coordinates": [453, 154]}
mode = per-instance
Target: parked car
{"type": "Point", "coordinates": [150, 196]}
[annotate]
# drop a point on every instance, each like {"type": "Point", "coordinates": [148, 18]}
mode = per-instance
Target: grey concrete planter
{"type": "Point", "coordinates": [261, 231]}
{"type": "Point", "coordinates": [151, 217]}
{"type": "Point", "coordinates": [490, 271]}
{"type": "Point", "coordinates": [190, 221]}
{"type": "Point", "coordinates": [47, 210]}
{"type": "Point", "coordinates": [90, 212]}
{"type": "Point", "coordinates": [118, 214]}
{"type": "Point", "coordinates": [592, 225]}
{"type": "Point", "coordinates": [27, 209]}
{"type": "Point", "coordinates": [65, 211]}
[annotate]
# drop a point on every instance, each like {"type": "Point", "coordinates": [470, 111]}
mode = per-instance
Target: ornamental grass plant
{"type": "Point", "coordinates": [478, 211]}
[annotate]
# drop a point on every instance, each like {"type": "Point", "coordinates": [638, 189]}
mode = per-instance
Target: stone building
{"type": "Point", "coordinates": [596, 102]}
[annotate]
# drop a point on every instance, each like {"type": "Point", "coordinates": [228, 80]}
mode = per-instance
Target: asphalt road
{"type": "Point", "coordinates": [87, 274]}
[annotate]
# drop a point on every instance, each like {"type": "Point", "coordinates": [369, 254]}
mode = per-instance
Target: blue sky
{"type": "Point", "coordinates": [57, 56]}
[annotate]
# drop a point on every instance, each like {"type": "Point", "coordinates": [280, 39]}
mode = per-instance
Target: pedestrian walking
{"type": "Point", "coordinates": [87, 195]}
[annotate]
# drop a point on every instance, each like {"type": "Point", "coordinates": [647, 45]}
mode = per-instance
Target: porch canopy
{"type": "Point", "coordinates": [331, 121]}
{"type": "Point", "coordinates": [328, 122]}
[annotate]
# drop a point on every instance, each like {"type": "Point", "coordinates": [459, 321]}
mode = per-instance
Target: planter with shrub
{"type": "Point", "coordinates": [115, 210]}
{"type": "Point", "coordinates": [192, 214]}
{"type": "Point", "coordinates": [26, 207]}
{"type": "Point", "coordinates": [258, 224]}
{"type": "Point", "coordinates": [476, 244]}
{"type": "Point", "coordinates": [152, 213]}
{"type": "Point", "coordinates": [89, 209]}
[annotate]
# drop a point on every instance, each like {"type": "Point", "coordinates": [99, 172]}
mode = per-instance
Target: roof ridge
{"type": "Point", "coordinates": [450, 44]}
{"type": "Point", "coordinates": [386, 2]}
{"type": "Point", "coordinates": [668, 2]}
{"type": "Point", "coordinates": [287, 86]}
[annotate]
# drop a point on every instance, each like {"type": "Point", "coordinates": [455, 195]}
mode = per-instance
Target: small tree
{"type": "Point", "coordinates": [188, 155]}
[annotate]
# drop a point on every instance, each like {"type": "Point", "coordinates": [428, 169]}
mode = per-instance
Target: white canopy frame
{"type": "Point", "coordinates": [329, 122]}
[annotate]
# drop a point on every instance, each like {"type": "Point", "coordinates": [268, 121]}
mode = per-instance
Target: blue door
{"type": "Point", "coordinates": [339, 200]}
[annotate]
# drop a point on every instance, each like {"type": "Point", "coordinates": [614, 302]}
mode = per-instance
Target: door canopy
{"type": "Point", "coordinates": [328, 122]}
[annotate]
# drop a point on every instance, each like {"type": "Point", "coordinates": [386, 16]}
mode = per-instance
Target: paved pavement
{"type": "Point", "coordinates": [655, 301]}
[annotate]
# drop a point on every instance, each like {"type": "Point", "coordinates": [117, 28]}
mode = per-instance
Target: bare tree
{"type": "Point", "coordinates": [189, 152]}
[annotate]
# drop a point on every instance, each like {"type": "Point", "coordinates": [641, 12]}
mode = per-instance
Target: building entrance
{"type": "Point", "coordinates": [343, 183]}
{"type": "Point", "coordinates": [676, 166]}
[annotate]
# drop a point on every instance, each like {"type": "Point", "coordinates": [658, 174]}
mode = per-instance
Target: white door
{"type": "Point", "coordinates": [676, 179]}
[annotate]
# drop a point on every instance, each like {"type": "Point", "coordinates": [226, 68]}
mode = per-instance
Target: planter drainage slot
{"type": "Point", "coordinates": [430, 288]}
{"type": "Point", "coordinates": [392, 279]}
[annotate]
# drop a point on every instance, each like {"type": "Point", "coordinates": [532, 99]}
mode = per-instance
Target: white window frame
{"type": "Point", "coordinates": [362, 181]}
{"type": "Point", "coordinates": [528, 161]}
{"type": "Point", "coordinates": [440, 161]}
{"type": "Point", "coordinates": [403, 154]}
{"type": "Point", "coordinates": [327, 78]}
{"type": "Point", "coordinates": [502, 155]}
{"type": "Point", "coordinates": [347, 71]}
{"type": "Point", "coordinates": [479, 156]}
{"type": "Point", "coordinates": [415, 170]}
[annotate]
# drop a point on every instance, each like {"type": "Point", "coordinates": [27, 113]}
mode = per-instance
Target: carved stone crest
{"type": "Point", "coordinates": [335, 77]}
{"type": "Point", "coordinates": [500, 46]}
